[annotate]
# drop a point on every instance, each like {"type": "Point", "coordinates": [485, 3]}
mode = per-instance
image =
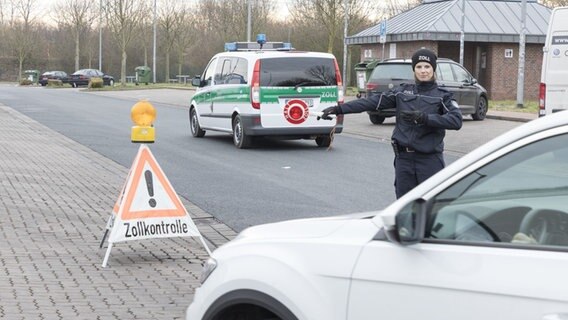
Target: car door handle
{"type": "Point", "coordinates": [556, 316]}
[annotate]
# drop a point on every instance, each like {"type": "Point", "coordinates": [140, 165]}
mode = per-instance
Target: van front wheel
{"type": "Point", "coordinates": [196, 130]}
{"type": "Point", "coordinates": [240, 138]}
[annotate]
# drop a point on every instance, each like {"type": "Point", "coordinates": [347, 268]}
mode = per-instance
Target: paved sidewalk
{"type": "Point", "coordinates": [511, 115]}
{"type": "Point", "coordinates": [56, 196]}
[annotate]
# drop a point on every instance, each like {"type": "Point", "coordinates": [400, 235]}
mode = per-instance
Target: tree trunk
{"type": "Point", "coordinates": [123, 68]}
{"type": "Point", "coordinates": [77, 52]}
{"type": "Point", "coordinates": [167, 66]}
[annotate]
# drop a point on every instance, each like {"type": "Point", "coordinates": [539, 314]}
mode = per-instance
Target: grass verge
{"type": "Point", "coordinates": [510, 105]}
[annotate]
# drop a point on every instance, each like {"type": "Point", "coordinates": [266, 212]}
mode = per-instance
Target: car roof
{"type": "Point", "coordinates": [259, 54]}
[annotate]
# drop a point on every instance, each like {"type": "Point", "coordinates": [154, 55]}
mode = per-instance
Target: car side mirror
{"type": "Point", "coordinates": [473, 81]}
{"type": "Point", "coordinates": [410, 224]}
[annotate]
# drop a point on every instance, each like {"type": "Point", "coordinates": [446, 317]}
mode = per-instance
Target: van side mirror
{"type": "Point", "coordinates": [410, 224]}
{"type": "Point", "coordinates": [473, 81]}
{"type": "Point", "coordinates": [196, 81]}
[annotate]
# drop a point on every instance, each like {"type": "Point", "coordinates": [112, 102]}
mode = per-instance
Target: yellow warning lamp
{"type": "Point", "coordinates": [143, 115]}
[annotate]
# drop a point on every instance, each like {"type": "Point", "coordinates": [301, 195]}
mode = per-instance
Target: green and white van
{"type": "Point", "coordinates": [267, 90]}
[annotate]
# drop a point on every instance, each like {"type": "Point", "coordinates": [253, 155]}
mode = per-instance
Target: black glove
{"type": "Point", "coordinates": [416, 117]}
{"type": "Point", "coordinates": [330, 110]}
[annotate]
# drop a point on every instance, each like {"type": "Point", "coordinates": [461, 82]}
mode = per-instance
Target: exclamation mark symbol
{"type": "Point", "coordinates": [150, 186]}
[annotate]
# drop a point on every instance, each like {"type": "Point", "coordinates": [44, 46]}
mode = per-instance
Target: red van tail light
{"type": "Point", "coordinates": [340, 93]}
{"type": "Point", "coordinates": [255, 87]}
{"type": "Point", "coordinates": [542, 96]}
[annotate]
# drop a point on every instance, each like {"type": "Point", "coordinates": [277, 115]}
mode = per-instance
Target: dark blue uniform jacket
{"type": "Point", "coordinates": [438, 103]}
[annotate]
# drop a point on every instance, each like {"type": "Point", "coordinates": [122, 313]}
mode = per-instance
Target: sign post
{"type": "Point", "coordinates": [383, 35]}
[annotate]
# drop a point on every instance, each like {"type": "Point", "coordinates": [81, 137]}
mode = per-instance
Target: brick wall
{"type": "Point", "coordinates": [403, 49]}
{"type": "Point", "coordinates": [503, 72]}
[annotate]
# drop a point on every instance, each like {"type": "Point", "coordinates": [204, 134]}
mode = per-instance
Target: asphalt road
{"type": "Point", "coordinates": [278, 180]}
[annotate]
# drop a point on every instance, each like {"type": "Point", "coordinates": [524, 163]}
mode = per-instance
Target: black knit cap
{"type": "Point", "coordinates": [424, 55]}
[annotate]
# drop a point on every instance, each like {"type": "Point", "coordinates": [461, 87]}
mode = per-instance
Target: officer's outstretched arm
{"type": "Point", "coordinates": [451, 117]}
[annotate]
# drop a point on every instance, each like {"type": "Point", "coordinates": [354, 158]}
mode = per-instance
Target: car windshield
{"type": "Point", "coordinates": [392, 71]}
{"type": "Point", "coordinates": [538, 169]}
{"type": "Point", "coordinates": [297, 72]}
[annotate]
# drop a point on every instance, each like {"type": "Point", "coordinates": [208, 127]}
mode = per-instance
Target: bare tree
{"type": "Point", "coordinates": [393, 7]}
{"type": "Point", "coordinates": [3, 5]}
{"type": "Point", "coordinates": [185, 35]}
{"type": "Point", "coordinates": [124, 19]}
{"type": "Point", "coordinates": [555, 3]}
{"type": "Point", "coordinates": [22, 35]}
{"type": "Point", "coordinates": [227, 20]}
{"type": "Point", "coordinates": [197, 36]}
{"type": "Point", "coordinates": [77, 15]}
{"type": "Point", "coordinates": [327, 16]}
{"type": "Point", "coordinates": [169, 21]}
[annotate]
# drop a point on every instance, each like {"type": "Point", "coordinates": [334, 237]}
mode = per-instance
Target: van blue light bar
{"type": "Point", "coordinates": [253, 46]}
{"type": "Point", "coordinates": [261, 38]}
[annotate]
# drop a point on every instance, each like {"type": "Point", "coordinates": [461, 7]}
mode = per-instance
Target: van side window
{"type": "Point", "coordinates": [223, 68]}
{"type": "Point", "coordinates": [231, 71]}
{"type": "Point", "coordinates": [518, 199]}
{"type": "Point", "coordinates": [208, 73]}
{"type": "Point", "coordinates": [239, 74]}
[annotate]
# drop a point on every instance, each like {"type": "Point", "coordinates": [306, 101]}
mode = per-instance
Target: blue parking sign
{"type": "Point", "coordinates": [383, 31]}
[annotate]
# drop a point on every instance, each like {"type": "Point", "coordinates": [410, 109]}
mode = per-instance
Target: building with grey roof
{"type": "Point", "coordinates": [491, 40]}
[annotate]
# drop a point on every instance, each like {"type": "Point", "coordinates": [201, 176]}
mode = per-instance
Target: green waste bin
{"type": "Point", "coordinates": [363, 72]}
{"type": "Point", "coordinates": [143, 74]}
{"type": "Point", "coordinates": [32, 75]}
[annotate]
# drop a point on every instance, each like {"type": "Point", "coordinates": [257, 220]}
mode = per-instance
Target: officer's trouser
{"type": "Point", "coordinates": [412, 168]}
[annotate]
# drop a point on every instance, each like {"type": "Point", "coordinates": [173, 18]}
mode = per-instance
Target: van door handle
{"type": "Point", "coordinates": [556, 316]}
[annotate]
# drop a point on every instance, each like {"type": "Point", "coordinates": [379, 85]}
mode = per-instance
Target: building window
{"type": "Point", "coordinates": [508, 53]}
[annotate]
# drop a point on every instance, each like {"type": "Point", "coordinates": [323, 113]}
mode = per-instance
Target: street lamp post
{"type": "Point", "coordinates": [249, 9]}
{"type": "Point", "coordinates": [154, 46]}
{"type": "Point", "coordinates": [101, 35]}
{"type": "Point", "coordinates": [345, 27]}
{"type": "Point", "coordinates": [521, 71]}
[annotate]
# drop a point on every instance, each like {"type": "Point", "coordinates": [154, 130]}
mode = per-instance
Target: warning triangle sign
{"type": "Point", "coordinates": [150, 194]}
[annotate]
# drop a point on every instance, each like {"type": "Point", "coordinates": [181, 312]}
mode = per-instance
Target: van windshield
{"type": "Point", "coordinates": [297, 72]}
{"type": "Point", "coordinates": [401, 71]}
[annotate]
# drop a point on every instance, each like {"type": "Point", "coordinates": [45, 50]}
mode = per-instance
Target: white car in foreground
{"type": "Point", "coordinates": [485, 238]}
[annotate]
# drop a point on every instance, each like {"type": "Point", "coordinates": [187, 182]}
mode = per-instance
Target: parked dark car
{"type": "Point", "coordinates": [83, 76]}
{"type": "Point", "coordinates": [470, 95]}
{"type": "Point", "coordinates": [53, 75]}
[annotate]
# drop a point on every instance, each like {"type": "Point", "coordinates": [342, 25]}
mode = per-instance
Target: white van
{"type": "Point", "coordinates": [553, 91]}
{"type": "Point", "coordinates": [269, 91]}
